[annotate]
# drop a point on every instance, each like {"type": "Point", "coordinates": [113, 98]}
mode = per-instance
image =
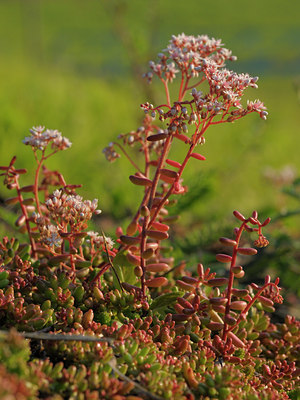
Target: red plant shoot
{"type": "Point", "coordinates": [184, 119]}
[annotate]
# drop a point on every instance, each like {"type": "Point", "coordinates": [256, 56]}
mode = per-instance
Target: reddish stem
{"type": "Point", "coordinates": [181, 86]}
{"type": "Point", "coordinates": [231, 277]}
{"type": "Point", "coordinates": [250, 304]}
{"type": "Point", "coordinates": [36, 185]}
{"type": "Point", "coordinates": [185, 89]}
{"type": "Point", "coordinates": [150, 201]}
{"type": "Point", "coordinates": [165, 83]}
{"type": "Point", "coordinates": [24, 211]}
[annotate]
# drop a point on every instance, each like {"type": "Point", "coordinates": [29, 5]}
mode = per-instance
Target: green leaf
{"type": "Point", "coordinates": [164, 300]}
{"type": "Point", "coordinates": [124, 269]}
{"type": "Point", "coordinates": [262, 323]}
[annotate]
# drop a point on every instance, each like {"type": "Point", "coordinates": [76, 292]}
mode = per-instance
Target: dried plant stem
{"type": "Point", "coordinates": [127, 156]}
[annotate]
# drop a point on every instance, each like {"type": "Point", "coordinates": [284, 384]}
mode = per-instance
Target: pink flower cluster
{"type": "Point", "coordinates": [71, 209]}
{"type": "Point", "coordinates": [40, 138]}
{"type": "Point", "coordinates": [205, 58]}
{"type": "Point", "coordinates": [186, 53]}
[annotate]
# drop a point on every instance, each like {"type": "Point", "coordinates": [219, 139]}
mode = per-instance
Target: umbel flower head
{"type": "Point", "coordinates": [100, 240]}
{"type": "Point", "coordinates": [204, 57]}
{"type": "Point", "coordinates": [40, 138]}
{"type": "Point", "coordinates": [71, 209]}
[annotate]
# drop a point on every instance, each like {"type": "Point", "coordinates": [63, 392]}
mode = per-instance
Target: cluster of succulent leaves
{"type": "Point", "coordinates": [281, 257]}
{"type": "Point", "coordinates": [85, 318]}
{"type": "Point", "coordinates": [111, 335]}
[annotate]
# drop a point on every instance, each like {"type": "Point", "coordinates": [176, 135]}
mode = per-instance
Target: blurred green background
{"type": "Point", "coordinates": [76, 66]}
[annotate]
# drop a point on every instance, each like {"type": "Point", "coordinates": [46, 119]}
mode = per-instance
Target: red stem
{"type": "Point", "coordinates": [24, 211]}
{"type": "Point", "coordinates": [36, 185]}
{"type": "Point", "coordinates": [167, 91]}
{"type": "Point", "coordinates": [250, 304]}
{"type": "Point", "coordinates": [231, 277]}
{"type": "Point", "coordinates": [181, 86]}
{"type": "Point", "coordinates": [185, 89]}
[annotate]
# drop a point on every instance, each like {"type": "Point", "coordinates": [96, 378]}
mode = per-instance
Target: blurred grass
{"type": "Point", "coordinates": [70, 66]}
